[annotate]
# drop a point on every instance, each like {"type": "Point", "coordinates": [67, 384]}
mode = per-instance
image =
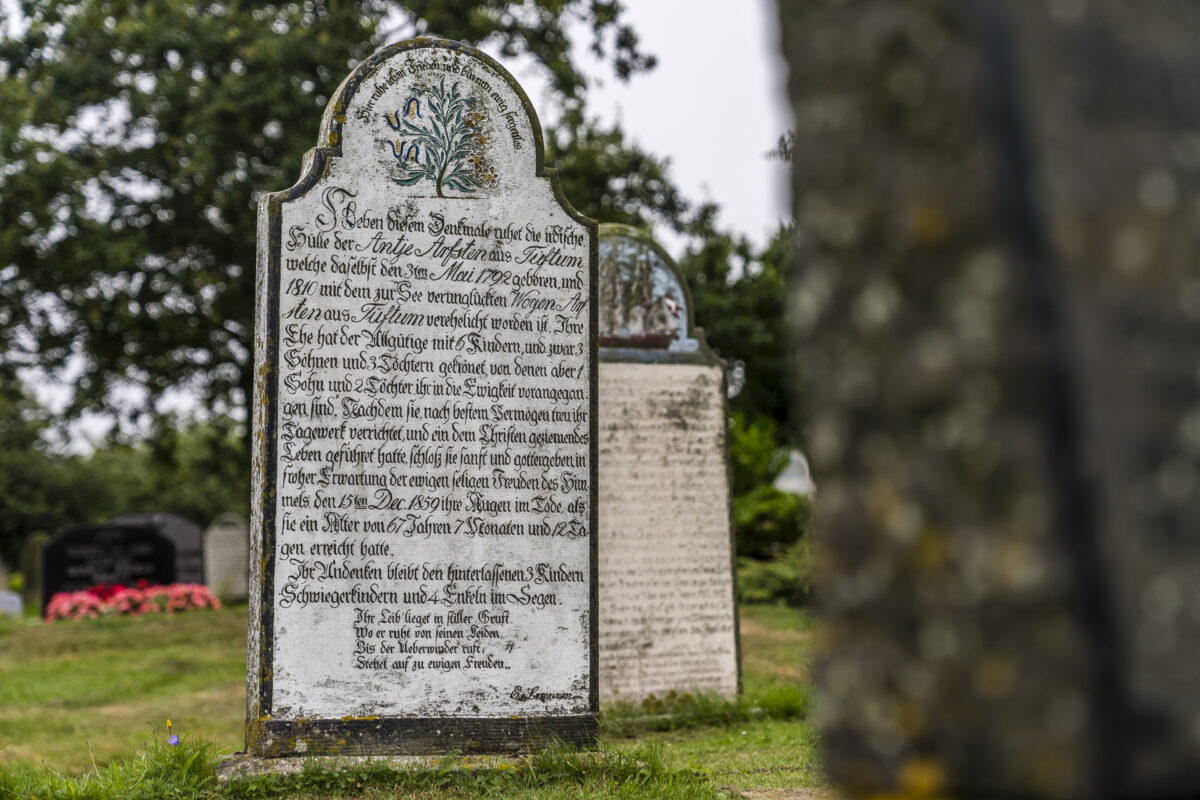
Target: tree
{"type": "Point", "coordinates": [135, 138]}
{"type": "Point", "coordinates": [30, 479]}
{"type": "Point", "coordinates": [611, 180]}
{"type": "Point", "coordinates": [738, 294]}
{"type": "Point", "coordinates": [195, 470]}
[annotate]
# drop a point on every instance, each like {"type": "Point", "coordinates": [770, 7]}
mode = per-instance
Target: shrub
{"type": "Point", "coordinates": [766, 521]}
{"type": "Point", "coordinates": [755, 457]}
{"type": "Point", "coordinates": [786, 578]}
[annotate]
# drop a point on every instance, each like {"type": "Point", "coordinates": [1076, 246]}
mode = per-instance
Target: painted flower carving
{"type": "Point", "coordinates": [444, 144]}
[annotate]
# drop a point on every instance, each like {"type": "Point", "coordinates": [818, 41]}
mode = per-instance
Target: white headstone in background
{"type": "Point", "coordinates": [796, 477]}
{"type": "Point", "coordinates": [11, 603]}
{"type": "Point", "coordinates": [424, 450]}
{"type": "Point", "coordinates": [227, 557]}
{"type": "Point", "coordinates": [668, 618]}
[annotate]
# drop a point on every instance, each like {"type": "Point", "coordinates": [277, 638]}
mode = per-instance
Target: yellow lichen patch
{"type": "Point", "coordinates": [928, 223]}
{"type": "Point", "coordinates": [994, 675]}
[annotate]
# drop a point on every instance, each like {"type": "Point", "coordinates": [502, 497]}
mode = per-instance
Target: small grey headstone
{"type": "Point", "coordinates": [11, 604]}
{"type": "Point", "coordinates": [31, 567]}
{"type": "Point", "coordinates": [227, 557]}
{"type": "Point", "coordinates": [796, 477]}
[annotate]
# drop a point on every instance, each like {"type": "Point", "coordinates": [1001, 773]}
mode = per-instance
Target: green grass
{"type": "Point", "coordinates": [80, 704]}
{"type": "Point", "coordinates": [186, 771]}
{"type": "Point", "coordinates": [160, 771]}
{"type": "Point", "coordinates": [74, 692]}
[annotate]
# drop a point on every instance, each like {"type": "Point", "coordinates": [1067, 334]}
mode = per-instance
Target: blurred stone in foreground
{"type": "Point", "coordinates": [995, 309]}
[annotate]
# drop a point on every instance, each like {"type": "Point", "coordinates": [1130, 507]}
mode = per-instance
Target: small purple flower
{"type": "Point", "coordinates": [173, 740]}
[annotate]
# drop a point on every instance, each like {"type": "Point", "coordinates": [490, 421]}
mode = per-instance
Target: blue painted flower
{"type": "Point", "coordinates": [174, 740]}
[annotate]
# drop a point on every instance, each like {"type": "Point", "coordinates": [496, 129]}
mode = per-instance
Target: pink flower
{"type": "Point", "coordinates": [117, 599]}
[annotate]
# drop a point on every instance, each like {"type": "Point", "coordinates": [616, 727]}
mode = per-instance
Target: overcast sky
{"type": "Point", "coordinates": [714, 105]}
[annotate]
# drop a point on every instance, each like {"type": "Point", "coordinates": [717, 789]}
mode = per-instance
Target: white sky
{"type": "Point", "coordinates": [714, 105]}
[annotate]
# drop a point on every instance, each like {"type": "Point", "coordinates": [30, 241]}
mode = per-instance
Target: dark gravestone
{"type": "Point", "coordinates": [76, 558]}
{"type": "Point", "coordinates": [187, 536]}
{"type": "Point", "coordinates": [31, 567]}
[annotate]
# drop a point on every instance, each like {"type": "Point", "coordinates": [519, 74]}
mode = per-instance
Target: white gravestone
{"type": "Point", "coordinates": [424, 495]}
{"type": "Point", "coordinates": [227, 557]}
{"type": "Point", "coordinates": [668, 617]}
{"type": "Point", "coordinates": [11, 603]}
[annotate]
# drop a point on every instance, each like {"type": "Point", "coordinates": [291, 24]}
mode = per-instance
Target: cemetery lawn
{"type": "Point", "coordinates": [71, 692]}
{"type": "Point", "coordinates": [74, 695]}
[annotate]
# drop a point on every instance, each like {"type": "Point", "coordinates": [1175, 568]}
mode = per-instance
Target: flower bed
{"type": "Point", "coordinates": [110, 600]}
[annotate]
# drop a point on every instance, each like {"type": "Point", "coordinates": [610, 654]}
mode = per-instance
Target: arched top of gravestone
{"type": "Point", "coordinates": [428, 119]}
{"type": "Point", "coordinates": [172, 526]}
{"type": "Point", "coordinates": [229, 519]}
{"type": "Point", "coordinates": [225, 523]}
{"type": "Point", "coordinates": [646, 310]}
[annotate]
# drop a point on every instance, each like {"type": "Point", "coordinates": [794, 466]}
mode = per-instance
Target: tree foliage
{"type": "Point", "coordinates": [196, 470]}
{"type": "Point", "coordinates": [135, 138]}
{"type": "Point", "coordinates": [738, 295]}
{"type": "Point", "coordinates": [612, 180]}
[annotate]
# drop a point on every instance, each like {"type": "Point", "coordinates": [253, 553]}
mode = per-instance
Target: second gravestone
{"type": "Point", "coordinates": [424, 497]}
{"type": "Point", "coordinates": [669, 616]}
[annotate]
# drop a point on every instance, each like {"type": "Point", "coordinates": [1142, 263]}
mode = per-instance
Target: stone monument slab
{"type": "Point", "coordinates": [187, 536]}
{"type": "Point", "coordinates": [89, 555]}
{"type": "Point", "coordinates": [227, 557]}
{"type": "Point", "coordinates": [668, 614]}
{"type": "Point", "coordinates": [423, 493]}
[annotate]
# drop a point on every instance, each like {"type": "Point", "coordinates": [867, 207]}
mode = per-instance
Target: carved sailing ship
{"type": "Point", "coordinates": [637, 312]}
